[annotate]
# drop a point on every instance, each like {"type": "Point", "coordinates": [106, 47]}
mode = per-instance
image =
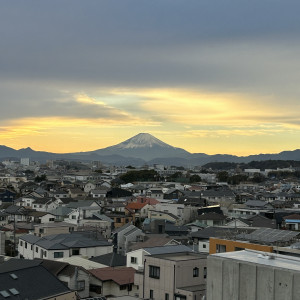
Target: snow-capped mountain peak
{"type": "Point", "coordinates": [142, 140]}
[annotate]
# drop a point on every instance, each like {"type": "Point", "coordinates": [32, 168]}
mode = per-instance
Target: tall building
{"type": "Point", "coordinates": [253, 275]}
{"type": "Point", "coordinates": [25, 161]}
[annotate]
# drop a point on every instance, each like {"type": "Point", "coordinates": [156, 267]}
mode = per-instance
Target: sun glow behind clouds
{"type": "Point", "coordinates": [195, 120]}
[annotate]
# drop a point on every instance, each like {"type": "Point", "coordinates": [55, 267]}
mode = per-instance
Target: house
{"type": "Point", "coordinates": [202, 237]}
{"type": "Point", "coordinates": [7, 195]}
{"type": "Point", "coordinates": [40, 217]}
{"type": "Point", "coordinates": [220, 196]}
{"type": "Point", "coordinates": [98, 193]}
{"type": "Point", "coordinates": [125, 235]}
{"type": "Point", "coordinates": [44, 229]}
{"type": "Point", "coordinates": [135, 258]}
{"type": "Point", "coordinates": [173, 276]}
{"type": "Point", "coordinates": [61, 245]}
{"type": "Point", "coordinates": [292, 222]}
{"type": "Point", "coordinates": [153, 240]}
{"type": "Point", "coordinates": [44, 204]}
{"type": "Point", "coordinates": [212, 219]}
{"type": "Point", "coordinates": [173, 194]}
{"type": "Point", "coordinates": [112, 282]}
{"type": "Point", "coordinates": [155, 193]}
{"type": "Point", "coordinates": [16, 213]}
{"type": "Point", "coordinates": [161, 215]}
{"type": "Point", "coordinates": [16, 282]}
{"type": "Point", "coordinates": [139, 209]}
{"type": "Point", "coordinates": [74, 277]}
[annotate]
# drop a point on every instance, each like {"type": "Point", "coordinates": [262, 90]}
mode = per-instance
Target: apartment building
{"type": "Point", "coordinates": [179, 276]}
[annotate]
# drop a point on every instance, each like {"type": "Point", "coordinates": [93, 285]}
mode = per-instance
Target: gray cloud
{"type": "Point", "coordinates": [234, 46]}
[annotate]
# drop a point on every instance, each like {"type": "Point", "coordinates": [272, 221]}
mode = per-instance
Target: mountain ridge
{"type": "Point", "coordinates": [144, 148]}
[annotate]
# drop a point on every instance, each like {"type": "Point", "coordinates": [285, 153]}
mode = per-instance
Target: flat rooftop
{"type": "Point", "coordinates": [181, 256]}
{"type": "Point", "coordinates": [263, 258]}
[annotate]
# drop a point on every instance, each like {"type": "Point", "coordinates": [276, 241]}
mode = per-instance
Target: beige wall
{"type": "Point", "coordinates": [174, 274]}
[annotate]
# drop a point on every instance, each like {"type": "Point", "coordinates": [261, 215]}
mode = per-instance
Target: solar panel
{"type": "Point", "coordinates": [5, 294]}
{"type": "Point", "coordinates": [268, 235]}
{"type": "Point", "coordinates": [13, 276]}
{"type": "Point", "coordinates": [14, 291]}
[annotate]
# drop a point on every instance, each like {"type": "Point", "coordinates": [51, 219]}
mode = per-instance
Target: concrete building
{"type": "Point", "coordinates": [253, 275]}
{"type": "Point", "coordinates": [179, 276]}
{"type": "Point", "coordinates": [53, 228]}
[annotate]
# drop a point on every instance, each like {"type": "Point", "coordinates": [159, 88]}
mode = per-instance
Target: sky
{"type": "Point", "coordinates": [209, 76]}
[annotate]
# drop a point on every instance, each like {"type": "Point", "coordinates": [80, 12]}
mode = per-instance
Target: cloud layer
{"type": "Point", "coordinates": [196, 73]}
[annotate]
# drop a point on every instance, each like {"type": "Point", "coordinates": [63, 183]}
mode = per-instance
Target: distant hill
{"type": "Point", "coordinates": [144, 148]}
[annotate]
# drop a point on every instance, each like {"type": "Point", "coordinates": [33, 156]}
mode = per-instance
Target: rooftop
{"type": "Point", "coordinates": [262, 258]}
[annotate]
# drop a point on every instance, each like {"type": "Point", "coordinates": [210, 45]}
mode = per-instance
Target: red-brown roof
{"type": "Point", "coordinates": [147, 200]}
{"type": "Point", "coordinates": [120, 276]}
{"type": "Point", "coordinates": [135, 205]}
{"type": "Point", "coordinates": [292, 217]}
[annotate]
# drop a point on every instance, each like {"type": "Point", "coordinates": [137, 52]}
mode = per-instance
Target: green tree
{"type": "Point", "coordinates": [222, 176]}
{"type": "Point", "coordinates": [195, 178]}
{"type": "Point", "coordinates": [40, 178]}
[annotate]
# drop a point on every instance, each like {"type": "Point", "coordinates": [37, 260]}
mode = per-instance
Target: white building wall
{"type": "Point", "coordinates": [139, 255]}
{"type": "Point", "coordinates": [95, 251]}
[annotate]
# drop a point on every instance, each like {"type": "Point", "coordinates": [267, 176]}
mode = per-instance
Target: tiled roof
{"type": "Point", "coordinates": [135, 205]}
{"type": "Point", "coordinates": [121, 276]}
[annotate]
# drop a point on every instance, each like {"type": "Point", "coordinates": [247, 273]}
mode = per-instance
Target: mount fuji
{"type": "Point", "coordinates": [144, 146]}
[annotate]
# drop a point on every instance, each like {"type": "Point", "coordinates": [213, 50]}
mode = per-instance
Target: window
{"type": "Point", "coordinates": [166, 296]}
{"type": "Point", "coordinates": [123, 287]}
{"type": "Point", "coordinates": [75, 251]}
{"type": "Point", "coordinates": [36, 249]}
{"type": "Point", "coordinates": [204, 272]}
{"type": "Point", "coordinates": [95, 289]}
{"type": "Point", "coordinates": [21, 243]}
{"type": "Point", "coordinates": [151, 294]}
{"type": "Point", "coordinates": [80, 285]}
{"type": "Point", "coordinates": [58, 254]}
{"type": "Point", "coordinates": [73, 217]}
{"type": "Point", "coordinates": [204, 245]}
{"type": "Point", "coordinates": [196, 272]}
{"type": "Point", "coordinates": [154, 272]}
{"type": "Point", "coordinates": [221, 248]}
{"type": "Point", "coordinates": [133, 260]}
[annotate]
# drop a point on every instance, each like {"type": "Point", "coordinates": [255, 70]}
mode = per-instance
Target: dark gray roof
{"type": "Point", "coordinates": [103, 217]}
{"type": "Point", "coordinates": [132, 231]}
{"type": "Point", "coordinates": [110, 259]}
{"type": "Point", "coordinates": [257, 203]}
{"type": "Point", "coordinates": [122, 228]}
{"type": "Point", "coordinates": [167, 249]}
{"type": "Point", "coordinates": [30, 238]}
{"type": "Point", "coordinates": [218, 193]}
{"type": "Point", "coordinates": [61, 211]}
{"type": "Point", "coordinates": [45, 285]}
{"type": "Point", "coordinates": [64, 241]}
{"type": "Point", "coordinates": [211, 216]}
{"type": "Point", "coordinates": [81, 203]}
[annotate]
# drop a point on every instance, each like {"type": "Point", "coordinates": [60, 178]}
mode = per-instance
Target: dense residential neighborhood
{"type": "Point", "coordinates": [99, 231]}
